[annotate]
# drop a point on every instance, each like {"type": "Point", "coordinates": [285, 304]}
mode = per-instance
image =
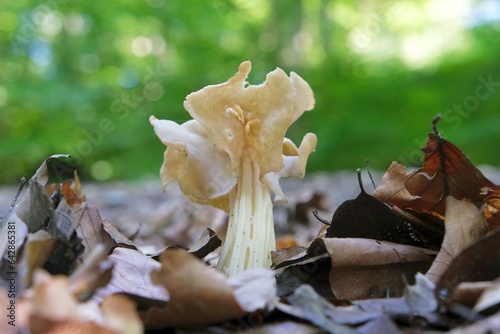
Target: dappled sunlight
{"type": "Point", "coordinates": [365, 60]}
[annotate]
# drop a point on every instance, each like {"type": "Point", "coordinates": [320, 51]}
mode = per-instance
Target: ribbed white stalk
{"type": "Point", "coordinates": [250, 234]}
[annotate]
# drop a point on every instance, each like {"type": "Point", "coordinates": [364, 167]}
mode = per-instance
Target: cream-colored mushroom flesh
{"type": "Point", "coordinates": [233, 152]}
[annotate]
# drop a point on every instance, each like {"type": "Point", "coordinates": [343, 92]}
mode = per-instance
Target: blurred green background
{"type": "Point", "coordinates": [82, 77]}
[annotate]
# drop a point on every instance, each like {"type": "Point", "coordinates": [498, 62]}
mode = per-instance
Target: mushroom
{"type": "Point", "coordinates": [233, 153]}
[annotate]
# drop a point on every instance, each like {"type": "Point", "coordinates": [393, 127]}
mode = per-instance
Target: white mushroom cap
{"type": "Point", "coordinates": [233, 119]}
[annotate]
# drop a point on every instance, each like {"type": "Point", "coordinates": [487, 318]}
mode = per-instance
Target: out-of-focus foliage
{"type": "Point", "coordinates": [82, 77]}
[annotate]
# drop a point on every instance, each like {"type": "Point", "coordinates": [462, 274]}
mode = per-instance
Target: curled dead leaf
{"type": "Point", "coordinates": [477, 263]}
{"type": "Point", "coordinates": [200, 295]}
{"type": "Point", "coordinates": [464, 224]}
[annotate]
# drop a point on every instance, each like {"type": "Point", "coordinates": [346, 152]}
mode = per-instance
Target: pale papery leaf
{"type": "Point", "coordinates": [94, 231]}
{"type": "Point", "coordinates": [488, 325]}
{"type": "Point", "coordinates": [420, 297]}
{"type": "Point", "coordinates": [366, 268]}
{"type": "Point", "coordinates": [480, 262]}
{"type": "Point", "coordinates": [95, 272]}
{"type": "Point", "coordinates": [468, 293]}
{"type": "Point", "coordinates": [37, 250]}
{"type": "Point", "coordinates": [120, 315]}
{"type": "Point", "coordinates": [199, 295]}
{"type": "Point", "coordinates": [207, 243]}
{"type": "Point", "coordinates": [52, 307]}
{"type": "Point", "coordinates": [464, 224]}
{"type": "Point", "coordinates": [131, 276]}
{"type": "Point", "coordinates": [490, 297]}
{"type": "Point", "coordinates": [254, 289]}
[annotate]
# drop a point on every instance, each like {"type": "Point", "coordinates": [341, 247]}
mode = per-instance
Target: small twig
{"type": "Point", "coordinates": [370, 173]}
{"type": "Point", "coordinates": [321, 219]}
{"type": "Point", "coordinates": [360, 181]}
{"type": "Point", "coordinates": [436, 119]}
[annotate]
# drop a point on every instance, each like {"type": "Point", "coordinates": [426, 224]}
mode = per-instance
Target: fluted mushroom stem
{"type": "Point", "coordinates": [250, 235]}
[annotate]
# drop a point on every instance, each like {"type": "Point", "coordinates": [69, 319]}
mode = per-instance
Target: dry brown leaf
{"type": "Point", "coordinates": [131, 276]}
{"type": "Point", "coordinates": [446, 171]}
{"type": "Point", "coordinates": [468, 293]}
{"type": "Point", "coordinates": [357, 268]}
{"type": "Point", "coordinates": [486, 326]}
{"type": "Point", "coordinates": [94, 231]}
{"type": "Point", "coordinates": [200, 295]}
{"type": "Point", "coordinates": [365, 268]}
{"type": "Point", "coordinates": [206, 244]}
{"type": "Point", "coordinates": [120, 315]}
{"type": "Point", "coordinates": [38, 247]}
{"type": "Point", "coordinates": [95, 272]}
{"type": "Point", "coordinates": [70, 190]}
{"type": "Point", "coordinates": [50, 307]}
{"type": "Point", "coordinates": [254, 289]}
{"type": "Point", "coordinates": [392, 188]}
{"type": "Point", "coordinates": [479, 262]}
{"type": "Point", "coordinates": [490, 298]}
{"type": "Point", "coordinates": [464, 224]}
{"type": "Point", "coordinates": [117, 236]}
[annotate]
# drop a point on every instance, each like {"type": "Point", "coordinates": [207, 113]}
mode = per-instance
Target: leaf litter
{"type": "Point", "coordinates": [420, 254]}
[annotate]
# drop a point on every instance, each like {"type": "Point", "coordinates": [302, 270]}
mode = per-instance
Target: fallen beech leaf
{"type": "Point", "coordinates": [420, 297]}
{"type": "Point", "coordinates": [117, 236]}
{"type": "Point", "coordinates": [468, 293]}
{"type": "Point", "coordinates": [63, 258]}
{"type": "Point", "coordinates": [120, 315]}
{"type": "Point", "coordinates": [464, 224]}
{"type": "Point", "coordinates": [95, 272]}
{"type": "Point", "coordinates": [38, 248]}
{"type": "Point", "coordinates": [39, 212]}
{"type": "Point", "coordinates": [131, 276]}
{"type": "Point", "coordinates": [383, 324]}
{"type": "Point", "coordinates": [254, 289]}
{"type": "Point", "coordinates": [288, 327]}
{"type": "Point", "coordinates": [358, 268]}
{"type": "Point", "coordinates": [486, 326]}
{"type": "Point", "coordinates": [367, 217]}
{"type": "Point", "coordinates": [41, 177]}
{"type": "Point", "coordinates": [446, 171]}
{"type": "Point", "coordinates": [94, 231]}
{"type": "Point", "coordinates": [490, 299]}
{"type": "Point", "coordinates": [365, 268]}
{"type": "Point", "coordinates": [310, 306]}
{"type": "Point", "coordinates": [70, 190]}
{"type": "Point", "coordinates": [313, 272]}
{"type": "Point", "coordinates": [478, 262]}
{"type": "Point", "coordinates": [187, 280]}
{"type": "Point", "coordinates": [199, 295]}
{"type": "Point", "coordinates": [207, 243]}
{"type": "Point", "coordinates": [52, 308]}
{"type": "Point", "coordinates": [300, 265]}
{"type": "Point", "coordinates": [284, 255]}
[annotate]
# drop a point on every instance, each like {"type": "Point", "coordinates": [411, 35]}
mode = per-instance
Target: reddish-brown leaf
{"type": "Point", "coordinates": [446, 171]}
{"type": "Point", "coordinates": [479, 262]}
